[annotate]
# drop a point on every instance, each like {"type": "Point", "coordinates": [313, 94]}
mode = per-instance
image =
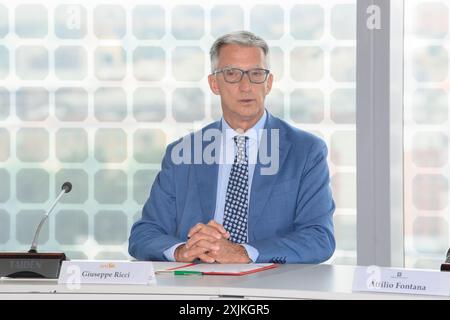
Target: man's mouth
{"type": "Point", "coordinates": [246, 100]}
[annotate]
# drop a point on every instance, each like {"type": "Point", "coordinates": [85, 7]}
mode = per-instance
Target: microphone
{"type": "Point", "coordinates": [33, 264]}
{"type": "Point", "coordinates": [66, 187]}
{"type": "Point", "coordinates": [446, 265]}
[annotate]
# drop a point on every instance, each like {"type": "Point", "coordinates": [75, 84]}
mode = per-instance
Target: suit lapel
{"type": "Point", "coordinates": [206, 176]}
{"type": "Point", "coordinates": [262, 185]}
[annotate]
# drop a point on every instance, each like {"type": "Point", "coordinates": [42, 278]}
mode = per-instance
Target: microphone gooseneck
{"type": "Point", "coordinates": [66, 187]}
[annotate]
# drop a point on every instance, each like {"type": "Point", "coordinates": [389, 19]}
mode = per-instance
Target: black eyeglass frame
{"type": "Point", "coordinates": [266, 72]}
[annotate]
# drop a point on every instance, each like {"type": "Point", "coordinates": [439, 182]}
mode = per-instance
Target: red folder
{"type": "Point", "coordinates": [224, 269]}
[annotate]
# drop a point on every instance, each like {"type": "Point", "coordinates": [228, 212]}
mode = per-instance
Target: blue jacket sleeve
{"type": "Point", "coordinates": [153, 234]}
{"type": "Point", "coordinates": [312, 239]}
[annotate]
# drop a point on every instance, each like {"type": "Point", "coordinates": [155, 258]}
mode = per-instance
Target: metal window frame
{"type": "Point", "coordinates": [379, 135]}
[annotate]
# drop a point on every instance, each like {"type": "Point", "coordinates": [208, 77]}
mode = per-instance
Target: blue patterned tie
{"type": "Point", "coordinates": [236, 199]}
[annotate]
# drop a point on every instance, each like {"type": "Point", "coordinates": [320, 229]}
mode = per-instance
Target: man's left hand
{"type": "Point", "coordinates": [229, 252]}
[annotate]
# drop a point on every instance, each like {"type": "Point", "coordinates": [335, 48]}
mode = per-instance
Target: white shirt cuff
{"type": "Point", "coordinates": [252, 253]}
{"type": "Point", "coordinates": [170, 253]}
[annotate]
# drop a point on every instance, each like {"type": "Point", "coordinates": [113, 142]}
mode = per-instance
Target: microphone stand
{"type": "Point", "coordinates": [33, 248]}
{"type": "Point", "coordinates": [32, 264]}
{"type": "Point", "coordinates": [445, 266]}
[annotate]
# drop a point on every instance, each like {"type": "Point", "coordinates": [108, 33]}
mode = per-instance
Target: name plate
{"type": "Point", "coordinates": [75, 272]}
{"type": "Point", "coordinates": [404, 281]}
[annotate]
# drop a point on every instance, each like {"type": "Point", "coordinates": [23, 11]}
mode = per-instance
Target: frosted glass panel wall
{"type": "Point", "coordinates": [92, 92]}
{"type": "Point", "coordinates": [426, 133]}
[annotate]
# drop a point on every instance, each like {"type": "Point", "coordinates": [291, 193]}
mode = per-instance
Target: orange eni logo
{"type": "Point", "coordinates": [108, 265]}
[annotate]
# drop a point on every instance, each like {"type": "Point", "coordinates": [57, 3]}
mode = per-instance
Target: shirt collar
{"type": "Point", "coordinates": [252, 133]}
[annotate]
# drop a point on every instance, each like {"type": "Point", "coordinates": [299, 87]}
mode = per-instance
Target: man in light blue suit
{"type": "Point", "coordinates": [247, 188]}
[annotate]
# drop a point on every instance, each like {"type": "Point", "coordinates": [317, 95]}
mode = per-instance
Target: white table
{"type": "Point", "coordinates": [285, 282]}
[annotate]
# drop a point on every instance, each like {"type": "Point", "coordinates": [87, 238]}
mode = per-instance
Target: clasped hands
{"type": "Point", "coordinates": [209, 243]}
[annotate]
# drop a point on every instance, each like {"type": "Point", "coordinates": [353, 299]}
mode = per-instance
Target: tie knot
{"type": "Point", "coordinates": [240, 140]}
{"type": "Point", "coordinates": [241, 149]}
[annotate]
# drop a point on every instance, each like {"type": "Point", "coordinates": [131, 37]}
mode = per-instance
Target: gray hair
{"type": "Point", "coordinates": [242, 38]}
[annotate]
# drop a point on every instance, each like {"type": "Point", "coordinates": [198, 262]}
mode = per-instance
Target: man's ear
{"type": "Point", "coordinates": [212, 80]}
{"type": "Point", "coordinates": [269, 83]}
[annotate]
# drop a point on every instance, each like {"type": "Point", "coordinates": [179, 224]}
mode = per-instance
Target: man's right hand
{"type": "Point", "coordinates": [182, 254]}
{"type": "Point", "coordinates": [210, 232]}
{"type": "Point", "coordinates": [202, 239]}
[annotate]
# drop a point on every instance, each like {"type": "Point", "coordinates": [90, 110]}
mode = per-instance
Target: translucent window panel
{"type": "Point", "coordinates": [307, 106]}
{"type": "Point", "coordinates": [148, 22]}
{"type": "Point", "coordinates": [344, 189]}
{"type": "Point", "coordinates": [110, 104]}
{"type": "Point", "coordinates": [226, 18]}
{"type": "Point", "coordinates": [5, 226]}
{"type": "Point", "coordinates": [31, 21]}
{"type": "Point", "coordinates": [70, 21]}
{"type": "Point", "coordinates": [307, 64]}
{"type": "Point", "coordinates": [216, 108]}
{"type": "Point", "coordinates": [32, 62]}
{"type": "Point", "coordinates": [430, 63]}
{"type": "Point", "coordinates": [79, 180]}
{"type": "Point", "coordinates": [137, 216]}
{"type": "Point", "coordinates": [188, 22]}
{"type": "Point", "coordinates": [4, 144]}
{"type": "Point", "coordinates": [109, 22]}
{"type": "Point", "coordinates": [426, 263]}
{"type": "Point", "coordinates": [142, 182]}
{"type": "Point", "coordinates": [430, 235]}
{"type": "Point", "coordinates": [259, 16]}
{"type": "Point", "coordinates": [307, 21]}
{"type": "Point", "coordinates": [343, 106]}
{"type": "Point", "coordinates": [71, 227]}
{"type": "Point", "coordinates": [149, 145]}
{"type": "Point", "coordinates": [5, 102]}
{"type": "Point", "coordinates": [110, 63]}
{"type": "Point", "coordinates": [188, 64]}
{"type": "Point", "coordinates": [430, 106]}
{"type": "Point", "coordinates": [430, 191]}
{"type": "Point", "coordinates": [111, 227]}
{"type": "Point", "coordinates": [343, 21]}
{"type": "Point", "coordinates": [110, 145]}
{"type": "Point", "coordinates": [342, 68]}
{"type": "Point", "coordinates": [4, 21]}
{"type": "Point", "coordinates": [149, 63]}
{"type": "Point", "coordinates": [108, 255]}
{"type": "Point", "coordinates": [426, 151]}
{"type": "Point", "coordinates": [71, 63]}
{"type": "Point", "coordinates": [4, 62]}
{"type": "Point", "coordinates": [71, 145]}
{"type": "Point", "coordinates": [76, 255]}
{"type": "Point", "coordinates": [32, 144]}
{"type": "Point", "coordinates": [345, 231]}
{"type": "Point", "coordinates": [26, 224]}
{"type": "Point", "coordinates": [32, 103]}
{"type": "Point", "coordinates": [343, 148]}
{"type": "Point", "coordinates": [430, 149]}
{"type": "Point", "coordinates": [5, 189]}
{"type": "Point", "coordinates": [110, 186]}
{"type": "Point", "coordinates": [116, 83]}
{"type": "Point", "coordinates": [430, 19]}
{"type": "Point", "coordinates": [277, 63]}
{"type": "Point", "coordinates": [188, 105]}
{"type": "Point", "coordinates": [149, 104]}
{"type": "Point", "coordinates": [275, 103]}
{"type": "Point", "coordinates": [71, 104]}
{"type": "Point", "coordinates": [32, 185]}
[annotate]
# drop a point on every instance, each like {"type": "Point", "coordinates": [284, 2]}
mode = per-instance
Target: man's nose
{"type": "Point", "coordinates": [245, 84]}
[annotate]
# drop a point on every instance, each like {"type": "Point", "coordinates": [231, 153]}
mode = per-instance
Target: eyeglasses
{"type": "Point", "coordinates": [234, 75]}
